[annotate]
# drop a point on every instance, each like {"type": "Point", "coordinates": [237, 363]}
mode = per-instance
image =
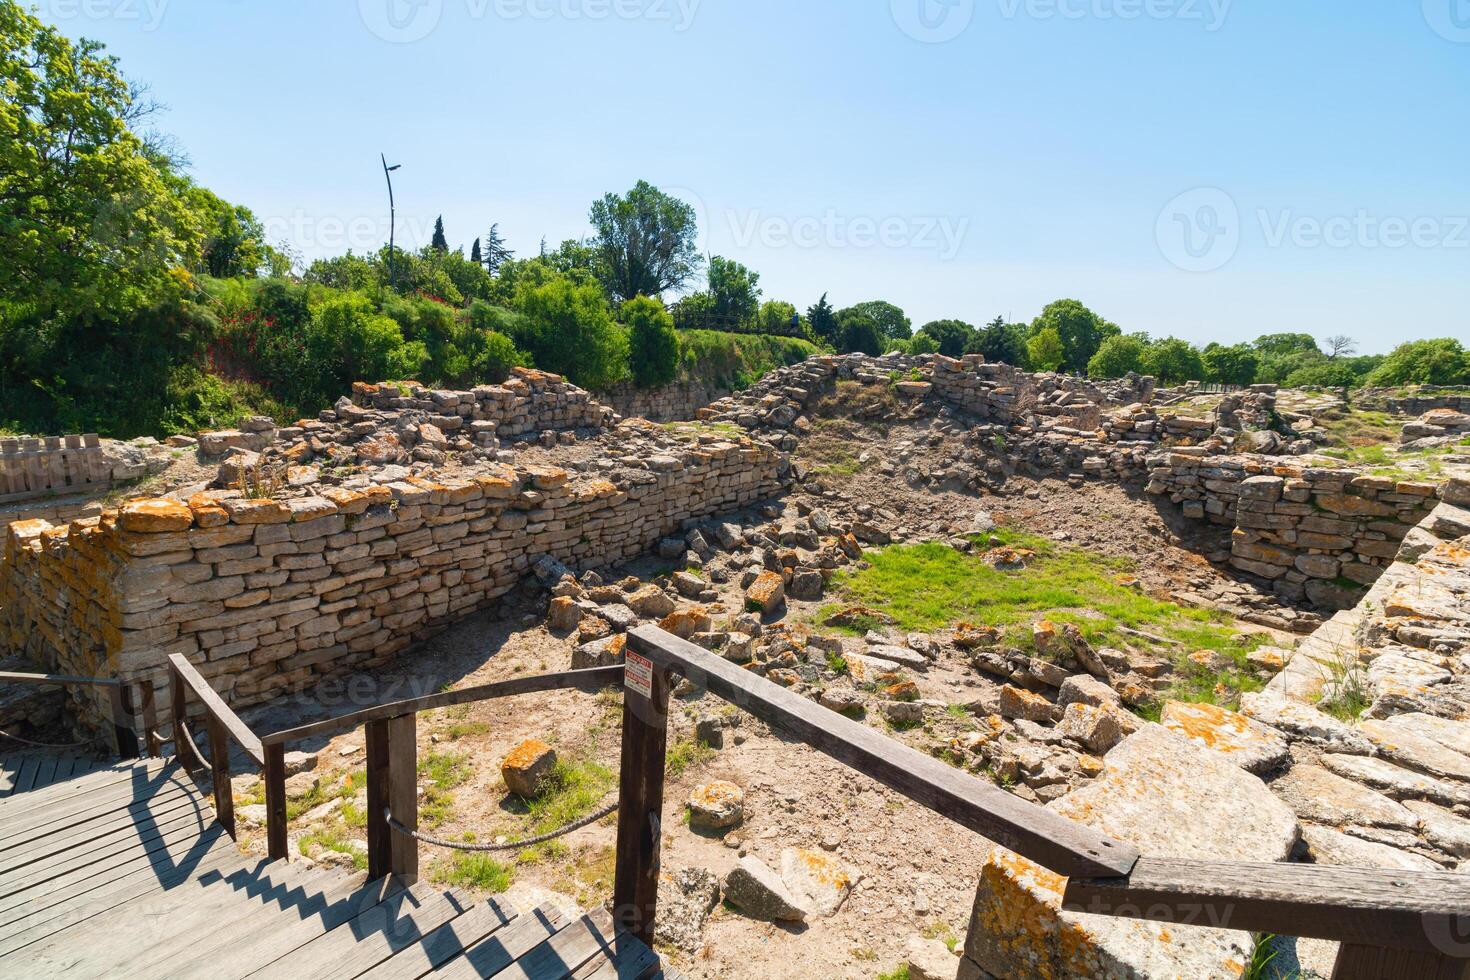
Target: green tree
{"type": "Point", "coordinates": [88, 220]}
{"type": "Point", "coordinates": [350, 341]}
{"type": "Point", "coordinates": [1001, 343]}
{"type": "Point", "coordinates": [923, 343]}
{"type": "Point", "coordinates": [1173, 361]}
{"type": "Point", "coordinates": [495, 254]}
{"type": "Point", "coordinates": [645, 242]}
{"type": "Point", "coordinates": [858, 332]}
{"type": "Point", "coordinates": [1116, 357]}
{"type": "Point", "coordinates": [1045, 351]}
{"type": "Point", "coordinates": [952, 336]}
{"type": "Point", "coordinates": [734, 290]}
{"type": "Point", "coordinates": [475, 255]}
{"type": "Point", "coordinates": [571, 332]}
{"type": "Point", "coordinates": [1328, 374]}
{"type": "Point", "coordinates": [1081, 331]}
{"type": "Point", "coordinates": [780, 318]}
{"type": "Point", "coordinates": [1424, 362]}
{"type": "Point", "coordinates": [891, 321]}
{"type": "Point", "coordinates": [823, 321]}
{"type": "Point", "coordinates": [1233, 365]}
{"type": "Point", "coordinates": [439, 242]}
{"type": "Point", "coordinates": [653, 346]}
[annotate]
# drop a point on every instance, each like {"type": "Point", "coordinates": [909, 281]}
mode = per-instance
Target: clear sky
{"type": "Point", "coordinates": [1211, 169]}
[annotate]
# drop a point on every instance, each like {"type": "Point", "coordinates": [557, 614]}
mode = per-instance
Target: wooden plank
{"type": "Point", "coordinates": [8, 767]}
{"type": "Point", "coordinates": [556, 958]}
{"type": "Point", "coordinates": [123, 738]}
{"type": "Point", "coordinates": [369, 939]}
{"type": "Point", "coordinates": [88, 833]}
{"type": "Point", "coordinates": [56, 802]}
{"type": "Point", "coordinates": [1064, 846]}
{"type": "Point", "coordinates": [1368, 963]}
{"type": "Point", "coordinates": [45, 772]}
{"type": "Point", "coordinates": [104, 772]}
{"type": "Point", "coordinates": [274, 776]}
{"type": "Point", "coordinates": [640, 807]}
{"type": "Point", "coordinates": [14, 887]}
{"type": "Point", "coordinates": [64, 767]}
{"type": "Point", "coordinates": [217, 708]}
{"type": "Point", "coordinates": [504, 946]}
{"type": "Point", "coordinates": [34, 824]}
{"type": "Point", "coordinates": [18, 677]}
{"type": "Point", "coordinates": [107, 944]}
{"type": "Point", "coordinates": [403, 794]}
{"type": "Point", "coordinates": [1416, 910]}
{"type": "Point", "coordinates": [444, 943]}
{"type": "Point", "coordinates": [263, 932]}
{"type": "Point", "coordinates": [631, 959]}
{"type": "Point", "coordinates": [219, 766]}
{"type": "Point", "coordinates": [589, 681]}
{"type": "Point", "coordinates": [25, 776]}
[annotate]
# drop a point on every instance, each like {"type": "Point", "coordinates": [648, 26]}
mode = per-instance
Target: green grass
{"type": "Point", "coordinates": [685, 754]}
{"type": "Point", "coordinates": [926, 587]}
{"type": "Point", "coordinates": [321, 794]}
{"type": "Point", "coordinates": [470, 869]}
{"type": "Point", "coordinates": [334, 838]}
{"type": "Point", "coordinates": [446, 769]}
{"type": "Point", "coordinates": [836, 663]}
{"type": "Point", "coordinates": [736, 360]}
{"type": "Point", "coordinates": [573, 791]}
{"type": "Point", "coordinates": [900, 972]}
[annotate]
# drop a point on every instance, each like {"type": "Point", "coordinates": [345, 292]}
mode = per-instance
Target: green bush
{"type": "Point", "coordinates": [923, 343]}
{"type": "Point", "coordinates": [732, 360]}
{"type": "Point", "coordinates": [653, 346]}
{"type": "Point", "coordinates": [1424, 362]}
{"type": "Point", "coordinates": [571, 332]}
{"type": "Point", "coordinates": [1117, 356]}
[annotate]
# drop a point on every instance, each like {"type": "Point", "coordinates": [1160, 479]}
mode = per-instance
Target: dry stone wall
{"type": "Point", "coordinates": [267, 595]}
{"type": "Point", "coordinates": [678, 402]}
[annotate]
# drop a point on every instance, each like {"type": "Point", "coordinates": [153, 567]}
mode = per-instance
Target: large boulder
{"type": "Point", "coordinates": [1169, 797]}
{"type": "Point", "coordinates": [755, 889]}
{"type": "Point", "coordinates": [1254, 747]}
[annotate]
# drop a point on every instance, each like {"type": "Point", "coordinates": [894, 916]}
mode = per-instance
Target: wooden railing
{"type": "Point", "coordinates": [392, 761]}
{"type": "Point", "coordinates": [120, 707]}
{"type": "Point", "coordinates": [1398, 924]}
{"type": "Point", "coordinates": [223, 726]}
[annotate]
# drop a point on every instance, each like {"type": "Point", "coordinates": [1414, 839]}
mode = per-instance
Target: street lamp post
{"type": "Point", "coordinates": [392, 216]}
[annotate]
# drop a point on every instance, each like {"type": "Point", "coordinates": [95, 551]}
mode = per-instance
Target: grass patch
{"type": "Point", "coordinates": [900, 972]}
{"type": "Point", "coordinates": [468, 869]}
{"type": "Point", "coordinates": [926, 587]}
{"type": "Point", "coordinates": [335, 838]}
{"type": "Point", "coordinates": [446, 769]}
{"type": "Point", "coordinates": [685, 754]}
{"type": "Point", "coordinates": [465, 729]}
{"type": "Point", "coordinates": [321, 794]}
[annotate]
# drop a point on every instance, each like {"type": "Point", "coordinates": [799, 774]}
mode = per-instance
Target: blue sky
{"type": "Point", "coordinates": [1203, 168]}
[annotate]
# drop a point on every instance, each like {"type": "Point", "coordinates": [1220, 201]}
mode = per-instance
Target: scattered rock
{"type": "Point", "coordinates": [766, 594]}
{"type": "Point", "coordinates": [929, 959]}
{"type": "Point", "coordinates": [754, 888]}
{"type": "Point", "coordinates": [716, 806]}
{"type": "Point", "coordinates": [817, 882]}
{"type": "Point", "coordinates": [1254, 747]}
{"type": "Point", "coordinates": [528, 767]}
{"type": "Point", "coordinates": [564, 616]}
{"type": "Point", "coordinates": [685, 900]}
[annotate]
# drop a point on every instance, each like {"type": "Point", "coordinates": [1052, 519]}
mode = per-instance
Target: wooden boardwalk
{"type": "Point", "coordinates": [119, 870]}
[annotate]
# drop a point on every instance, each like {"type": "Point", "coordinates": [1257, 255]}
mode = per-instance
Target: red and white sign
{"type": "Point", "coordinates": [638, 674]}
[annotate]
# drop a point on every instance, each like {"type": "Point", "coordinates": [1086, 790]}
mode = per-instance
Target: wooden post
{"type": "Point", "coordinates": [151, 742]}
{"type": "Point", "coordinates": [275, 801]}
{"type": "Point", "coordinates": [641, 799]}
{"type": "Point", "coordinates": [379, 836]}
{"type": "Point", "coordinates": [1376, 963]}
{"type": "Point", "coordinates": [403, 794]}
{"type": "Point", "coordinates": [219, 768]}
{"type": "Point", "coordinates": [122, 722]}
{"type": "Point", "coordinates": [179, 709]}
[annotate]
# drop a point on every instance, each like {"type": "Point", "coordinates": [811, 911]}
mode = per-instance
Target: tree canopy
{"type": "Point", "coordinates": [645, 242]}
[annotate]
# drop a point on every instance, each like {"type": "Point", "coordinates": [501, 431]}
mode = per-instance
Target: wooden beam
{"type": "Point", "coordinates": [1413, 910]}
{"type": "Point", "coordinates": [640, 803]}
{"type": "Point", "coordinates": [122, 722]}
{"type": "Point", "coordinates": [1064, 846]}
{"type": "Point", "coordinates": [219, 769]}
{"type": "Point", "coordinates": [184, 748]}
{"type": "Point", "coordinates": [15, 677]}
{"type": "Point", "coordinates": [274, 776]}
{"type": "Point", "coordinates": [379, 836]}
{"type": "Point", "coordinates": [152, 742]}
{"type": "Point", "coordinates": [217, 708]}
{"type": "Point", "coordinates": [403, 793]}
{"type": "Point", "coordinates": [1368, 963]}
{"type": "Point", "coordinates": [582, 680]}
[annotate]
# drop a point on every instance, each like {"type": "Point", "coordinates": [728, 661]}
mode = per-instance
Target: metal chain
{"type": "Point", "coordinates": [591, 818]}
{"type": "Point", "coordinates": [48, 745]}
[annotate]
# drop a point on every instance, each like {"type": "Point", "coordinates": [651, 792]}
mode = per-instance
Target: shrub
{"type": "Point", "coordinates": [571, 332]}
{"type": "Point", "coordinates": [923, 343]}
{"type": "Point", "coordinates": [950, 336]}
{"type": "Point", "coordinates": [1116, 357]}
{"type": "Point", "coordinates": [653, 346]}
{"type": "Point", "coordinates": [859, 332]}
{"type": "Point", "coordinates": [1424, 362]}
{"type": "Point", "coordinates": [1044, 350]}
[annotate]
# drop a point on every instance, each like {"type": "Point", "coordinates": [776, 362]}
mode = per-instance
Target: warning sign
{"type": "Point", "coordinates": [638, 674]}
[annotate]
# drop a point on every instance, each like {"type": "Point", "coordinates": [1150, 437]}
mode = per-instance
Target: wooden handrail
{"type": "Point", "coordinates": [593, 679]}
{"type": "Point", "coordinates": [124, 741]}
{"type": "Point", "coordinates": [216, 708]}
{"type": "Point", "coordinates": [1412, 921]}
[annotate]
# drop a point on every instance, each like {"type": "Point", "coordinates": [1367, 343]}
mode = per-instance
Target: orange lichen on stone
{"type": "Point", "coordinates": [347, 501]}
{"type": "Point", "coordinates": [150, 516]}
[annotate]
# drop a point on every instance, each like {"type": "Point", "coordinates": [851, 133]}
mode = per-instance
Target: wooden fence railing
{"type": "Point", "coordinates": [223, 726]}
{"type": "Point", "coordinates": [120, 707]}
{"type": "Point", "coordinates": [53, 465]}
{"type": "Point", "coordinates": [392, 761]}
{"type": "Point", "coordinates": [1398, 924]}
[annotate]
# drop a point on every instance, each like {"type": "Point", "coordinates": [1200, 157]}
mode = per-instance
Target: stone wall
{"type": "Point", "coordinates": [678, 402]}
{"type": "Point", "coordinates": [266, 596]}
{"type": "Point", "coordinates": [1316, 534]}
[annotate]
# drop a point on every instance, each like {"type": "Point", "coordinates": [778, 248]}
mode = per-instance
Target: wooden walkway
{"type": "Point", "coordinates": [119, 870]}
